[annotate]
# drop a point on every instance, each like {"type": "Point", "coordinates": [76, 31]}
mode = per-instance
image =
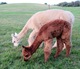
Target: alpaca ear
{"type": "Point", "coordinates": [16, 34]}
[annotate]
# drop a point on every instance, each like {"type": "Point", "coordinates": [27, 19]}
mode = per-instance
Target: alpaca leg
{"type": "Point", "coordinates": [64, 47]}
{"type": "Point", "coordinates": [47, 49]}
{"type": "Point", "coordinates": [32, 37]}
{"type": "Point", "coordinates": [41, 45]}
{"type": "Point", "coordinates": [68, 46]}
{"type": "Point", "coordinates": [60, 46]}
{"type": "Point", "coordinates": [55, 45]}
{"type": "Point", "coordinates": [66, 36]}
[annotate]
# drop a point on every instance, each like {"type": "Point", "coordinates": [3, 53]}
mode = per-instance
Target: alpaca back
{"type": "Point", "coordinates": [41, 18]}
{"type": "Point", "coordinates": [53, 29]}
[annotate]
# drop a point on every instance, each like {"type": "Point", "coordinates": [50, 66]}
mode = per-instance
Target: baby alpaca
{"type": "Point", "coordinates": [60, 29]}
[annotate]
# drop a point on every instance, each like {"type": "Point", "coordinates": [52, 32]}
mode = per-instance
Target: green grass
{"type": "Point", "coordinates": [12, 19]}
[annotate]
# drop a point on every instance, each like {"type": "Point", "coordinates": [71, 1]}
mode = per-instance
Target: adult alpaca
{"type": "Point", "coordinates": [58, 28]}
{"type": "Point", "coordinates": [38, 20]}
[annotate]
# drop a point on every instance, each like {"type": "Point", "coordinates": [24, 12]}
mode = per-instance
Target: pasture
{"type": "Point", "coordinates": [12, 19]}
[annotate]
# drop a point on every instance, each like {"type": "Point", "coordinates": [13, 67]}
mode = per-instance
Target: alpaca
{"type": "Point", "coordinates": [57, 28]}
{"type": "Point", "coordinates": [38, 20]}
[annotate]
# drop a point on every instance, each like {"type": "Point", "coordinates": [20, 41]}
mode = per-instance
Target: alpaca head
{"type": "Point", "coordinates": [15, 40]}
{"type": "Point", "coordinates": [26, 52]}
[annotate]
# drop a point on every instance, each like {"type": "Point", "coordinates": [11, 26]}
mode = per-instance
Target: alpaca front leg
{"type": "Point", "coordinates": [55, 45]}
{"type": "Point", "coordinates": [32, 37]}
{"type": "Point", "coordinates": [66, 36]}
{"type": "Point", "coordinates": [59, 47]}
{"type": "Point", "coordinates": [47, 49]}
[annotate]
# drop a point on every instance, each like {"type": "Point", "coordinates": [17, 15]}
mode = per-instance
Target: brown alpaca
{"type": "Point", "coordinates": [60, 29]}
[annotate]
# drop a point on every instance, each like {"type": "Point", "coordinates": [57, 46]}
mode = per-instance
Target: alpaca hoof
{"type": "Point", "coordinates": [55, 56]}
{"type": "Point", "coordinates": [45, 61]}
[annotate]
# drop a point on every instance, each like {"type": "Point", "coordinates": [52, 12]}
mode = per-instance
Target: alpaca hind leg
{"type": "Point", "coordinates": [47, 49]}
{"type": "Point", "coordinates": [60, 46]}
{"type": "Point", "coordinates": [64, 47]}
{"type": "Point", "coordinates": [66, 36]}
{"type": "Point", "coordinates": [68, 46]}
{"type": "Point", "coordinates": [55, 46]}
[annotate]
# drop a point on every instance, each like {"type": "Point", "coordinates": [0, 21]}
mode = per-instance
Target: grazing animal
{"type": "Point", "coordinates": [60, 29]}
{"type": "Point", "coordinates": [38, 20]}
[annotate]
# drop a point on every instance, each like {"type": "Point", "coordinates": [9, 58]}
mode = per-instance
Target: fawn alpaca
{"type": "Point", "coordinates": [60, 29]}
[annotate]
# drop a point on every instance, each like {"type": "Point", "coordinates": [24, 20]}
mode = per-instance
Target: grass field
{"type": "Point", "coordinates": [12, 19]}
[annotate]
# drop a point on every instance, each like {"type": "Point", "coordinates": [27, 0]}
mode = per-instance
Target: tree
{"type": "Point", "coordinates": [45, 3]}
{"type": "Point", "coordinates": [71, 4]}
{"type": "Point", "coordinates": [3, 3]}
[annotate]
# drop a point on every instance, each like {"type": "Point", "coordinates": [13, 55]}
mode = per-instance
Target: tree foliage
{"type": "Point", "coordinates": [71, 4]}
{"type": "Point", "coordinates": [3, 3]}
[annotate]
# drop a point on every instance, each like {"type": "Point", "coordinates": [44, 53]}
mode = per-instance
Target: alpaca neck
{"type": "Point", "coordinates": [23, 32]}
{"type": "Point", "coordinates": [36, 44]}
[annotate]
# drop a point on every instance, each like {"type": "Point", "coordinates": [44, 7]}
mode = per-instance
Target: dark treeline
{"type": "Point", "coordinates": [71, 4]}
{"type": "Point", "coordinates": [2, 3]}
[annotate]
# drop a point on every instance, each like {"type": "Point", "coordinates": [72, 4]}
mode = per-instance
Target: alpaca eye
{"type": "Point", "coordinates": [14, 41]}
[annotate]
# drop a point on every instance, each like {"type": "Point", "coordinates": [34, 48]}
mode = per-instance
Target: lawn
{"type": "Point", "coordinates": [12, 19]}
